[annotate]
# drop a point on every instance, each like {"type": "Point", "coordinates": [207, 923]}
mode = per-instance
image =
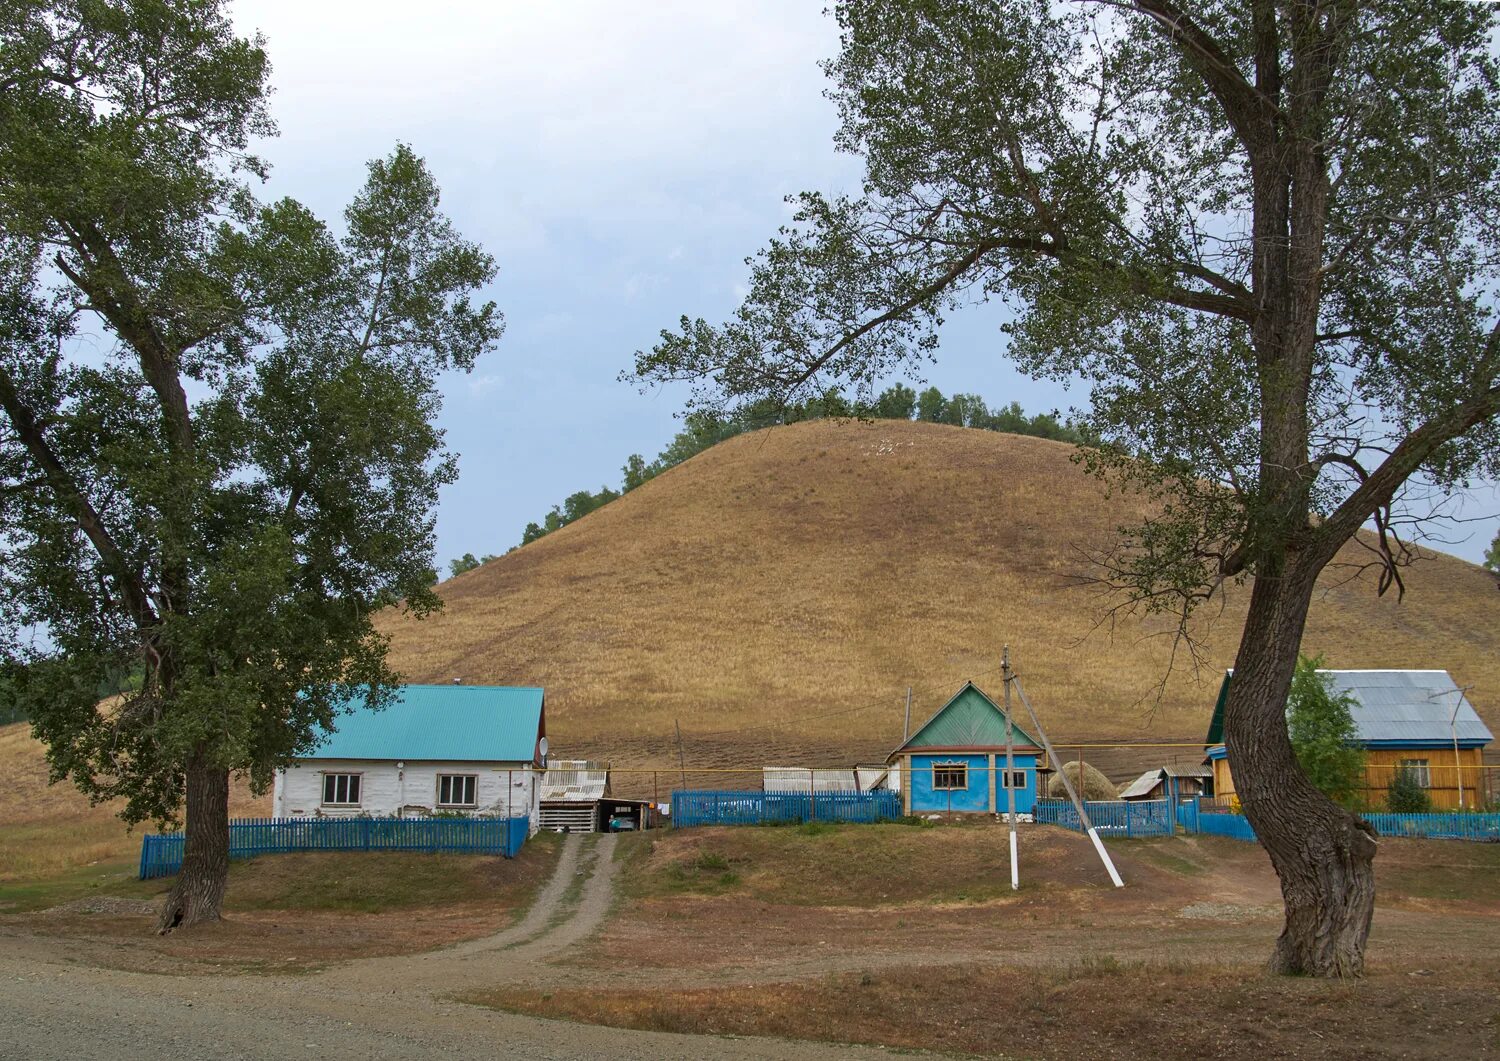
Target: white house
{"type": "Point", "coordinates": [476, 750]}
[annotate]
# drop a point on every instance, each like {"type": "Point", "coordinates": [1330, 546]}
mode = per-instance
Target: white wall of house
{"type": "Point", "coordinates": [506, 789]}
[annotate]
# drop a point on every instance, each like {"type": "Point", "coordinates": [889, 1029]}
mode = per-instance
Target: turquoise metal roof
{"type": "Point", "coordinates": [467, 723]}
{"type": "Point", "coordinates": [969, 720]}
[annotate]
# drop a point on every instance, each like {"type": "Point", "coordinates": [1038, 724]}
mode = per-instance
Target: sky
{"type": "Point", "coordinates": [620, 161]}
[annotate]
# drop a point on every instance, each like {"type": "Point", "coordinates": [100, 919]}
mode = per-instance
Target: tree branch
{"type": "Point", "coordinates": [1378, 489]}
{"type": "Point", "coordinates": [68, 492]}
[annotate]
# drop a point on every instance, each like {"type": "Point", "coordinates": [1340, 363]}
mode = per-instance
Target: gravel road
{"type": "Point", "coordinates": [379, 1007]}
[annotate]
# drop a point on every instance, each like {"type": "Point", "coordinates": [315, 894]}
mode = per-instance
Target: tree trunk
{"type": "Point", "coordinates": [1323, 855]}
{"type": "Point", "coordinates": [198, 891]}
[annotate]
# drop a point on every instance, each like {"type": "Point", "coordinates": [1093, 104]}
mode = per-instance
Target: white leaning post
{"type": "Point", "coordinates": [1010, 772]}
{"type": "Point", "coordinates": [1083, 814]}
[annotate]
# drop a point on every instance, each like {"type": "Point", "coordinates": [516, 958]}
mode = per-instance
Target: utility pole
{"type": "Point", "coordinates": [1010, 768]}
{"type": "Point", "coordinates": [681, 762]}
{"type": "Point", "coordinates": [906, 729]}
{"type": "Point", "coordinates": [1083, 814]}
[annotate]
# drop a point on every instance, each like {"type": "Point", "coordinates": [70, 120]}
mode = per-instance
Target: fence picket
{"type": "Point", "coordinates": [161, 854]}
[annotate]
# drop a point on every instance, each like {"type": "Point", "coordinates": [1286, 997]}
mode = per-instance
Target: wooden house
{"type": "Point", "coordinates": [955, 762]}
{"type": "Point", "coordinates": [474, 750]}
{"type": "Point", "coordinates": [1418, 721]}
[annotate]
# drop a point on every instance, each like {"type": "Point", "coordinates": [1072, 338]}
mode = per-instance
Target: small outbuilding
{"type": "Point", "coordinates": [1414, 721]}
{"type": "Point", "coordinates": [1169, 782]}
{"type": "Point", "coordinates": [955, 762]}
{"type": "Point", "coordinates": [474, 750]}
{"type": "Point", "coordinates": [576, 798]}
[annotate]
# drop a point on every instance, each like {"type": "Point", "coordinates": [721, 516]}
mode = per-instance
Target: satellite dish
{"type": "Point", "coordinates": [541, 746]}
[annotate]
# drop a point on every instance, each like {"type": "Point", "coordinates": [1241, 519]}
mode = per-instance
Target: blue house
{"type": "Point", "coordinates": [955, 762]}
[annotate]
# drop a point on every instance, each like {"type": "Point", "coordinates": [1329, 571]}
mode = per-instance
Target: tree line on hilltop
{"type": "Point", "coordinates": [704, 428]}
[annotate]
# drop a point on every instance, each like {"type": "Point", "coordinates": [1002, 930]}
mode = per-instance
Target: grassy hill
{"type": "Point", "coordinates": [778, 593]}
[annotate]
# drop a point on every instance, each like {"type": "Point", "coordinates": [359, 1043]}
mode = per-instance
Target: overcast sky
{"type": "Point", "coordinates": [620, 161]}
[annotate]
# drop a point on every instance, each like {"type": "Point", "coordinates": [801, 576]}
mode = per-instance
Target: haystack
{"type": "Point", "coordinates": [1095, 785]}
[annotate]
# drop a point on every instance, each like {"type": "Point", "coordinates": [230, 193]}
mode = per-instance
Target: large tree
{"type": "Point", "coordinates": [1266, 235]}
{"type": "Point", "coordinates": [217, 451]}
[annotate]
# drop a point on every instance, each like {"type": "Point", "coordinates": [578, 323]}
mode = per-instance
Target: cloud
{"type": "Point", "coordinates": [479, 386]}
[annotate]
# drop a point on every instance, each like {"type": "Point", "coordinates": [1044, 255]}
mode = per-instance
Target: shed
{"type": "Point", "coordinates": [474, 750]}
{"type": "Point", "coordinates": [1168, 782]}
{"type": "Point", "coordinates": [1416, 721]}
{"type": "Point", "coordinates": [955, 761]}
{"type": "Point", "coordinates": [805, 779]}
{"type": "Point", "coordinates": [576, 798]}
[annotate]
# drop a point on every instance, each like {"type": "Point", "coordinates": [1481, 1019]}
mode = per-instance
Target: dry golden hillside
{"type": "Point", "coordinates": [778, 593]}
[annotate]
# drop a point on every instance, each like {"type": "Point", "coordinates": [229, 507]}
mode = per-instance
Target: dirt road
{"type": "Point", "coordinates": [51, 1007]}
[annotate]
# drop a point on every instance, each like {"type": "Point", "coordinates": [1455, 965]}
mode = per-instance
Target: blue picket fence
{"type": "Point", "coordinates": [161, 855]}
{"type": "Point", "coordinates": [1191, 817]}
{"type": "Point", "coordinates": [1436, 826]}
{"type": "Point", "coordinates": [690, 808]}
{"type": "Point", "coordinates": [1449, 826]}
{"type": "Point", "coordinates": [1111, 817]}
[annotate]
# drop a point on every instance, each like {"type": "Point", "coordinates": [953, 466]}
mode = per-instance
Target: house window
{"type": "Point", "coordinates": [1418, 770]}
{"type": "Point", "coordinates": [1012, 778]}
{"type": "Point", "coordinates": [949, 777]}
{"type": "Point", "coordinates": [340, 790]}
{"type": "Point", "coordinates": [457, 790]}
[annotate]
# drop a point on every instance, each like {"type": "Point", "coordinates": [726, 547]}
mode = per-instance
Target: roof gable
{"type": "Point", "coordinates": [1392, 707]}
{"type": "Point", "coordinates": [462, 723]}
{"type": "Point", "coordinates": [969, 720]}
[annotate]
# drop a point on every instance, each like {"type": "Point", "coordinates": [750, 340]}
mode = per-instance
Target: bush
{"type": "Point", "coordinates": [1405, 794]}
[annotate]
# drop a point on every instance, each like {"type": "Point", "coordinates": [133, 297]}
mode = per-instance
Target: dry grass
{"type": "Point", "coordinates": [824, 567]}
{"type": "Point", "coordinates": [50, 830]}
{"type": "Point", "coordinates": [815, 569]}
{"type": "Point", "coordinates": [812, 865]}
{"type": "Point", "coordinates": [1097, 1008]}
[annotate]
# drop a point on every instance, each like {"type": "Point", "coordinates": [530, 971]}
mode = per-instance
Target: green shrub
{"type": "Point", "coordinates": [711, 861]}
{"type": "Point", "coordinates": [1405, 794]}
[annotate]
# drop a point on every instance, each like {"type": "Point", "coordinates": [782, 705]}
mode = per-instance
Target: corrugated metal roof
{"type": "Point", "coordinates": [464, 723]}
{"type": "Point", "coordinates": [575, 781]}
{"type": "Point", "coordinates": [1187, 771]}
{"type": "Point", "coordinates": [969, 720]}
{"type": "Point", "coordinates": [1142, 785]}
{"type": "Point", "coordinates": [1397, 706]}
{"type": "Point", "coordinates": [1401, 705]}
{"type": "Point", "coordinates": [798, 778]}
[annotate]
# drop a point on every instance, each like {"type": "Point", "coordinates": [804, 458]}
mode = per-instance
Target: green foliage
{"type": "Point", "coordinates": [1323, 734]}
{"type": "Point", "coordinates": [467, 562]}
{"type": "Point", "coordinates": [1492, 555]}
{"type": "Point", "coordinates": [1405, 794]}
{"type": "Point", "coordinates": [704, 428]}
{"type": "Point", "coordinates": [1009, 146]}
{"type": "Point", "coordinates": [217, 496]}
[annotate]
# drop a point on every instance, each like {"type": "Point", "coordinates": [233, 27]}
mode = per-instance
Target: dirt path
{"type": "Point", "coordinates": [380, 1007]}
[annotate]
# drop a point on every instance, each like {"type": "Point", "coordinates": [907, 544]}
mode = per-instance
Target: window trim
{"type": "Point", "coordinates": [1421, 769]}
{"type": "Point", "coordinates": [325, 775]}
{"type": "Point", "coordinates": [960, 769]}
{"type": "Point", "coordinates": [1009, 779]}
{"type": "Point", "coordinates": [438, 794]}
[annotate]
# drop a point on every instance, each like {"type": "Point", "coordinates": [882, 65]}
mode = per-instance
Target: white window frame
{"type": "Point", "coordinates": [1012, 778]}
{"type": "Point", "coordinates": [962, 769]}
{"type": "Point", "coordinates": [357, 777]}
{"type": "Point", "coordinates": [472, 785]}
{"type": "Point", "coordinates": [1421, 769]}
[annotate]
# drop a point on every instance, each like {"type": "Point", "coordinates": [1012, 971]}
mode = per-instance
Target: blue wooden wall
{"type": "Point", "coordinates": [976, 798]}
